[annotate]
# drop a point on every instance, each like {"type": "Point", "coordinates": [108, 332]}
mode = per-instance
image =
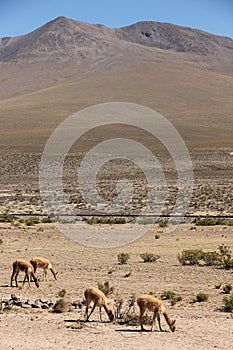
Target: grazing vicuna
{"type": "Point", "coordinates": [44, 264]}
{"type": "Point", "coordinates": [148, 302]}
{"type": "Point", "coordinates": [27, 268]}
{"type": "Point", "coordinates": [96, 296]}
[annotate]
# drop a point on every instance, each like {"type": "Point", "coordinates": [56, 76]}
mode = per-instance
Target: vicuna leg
{"type": "Point", "coordinates": [45, 273]}
{"type": "Point", "coordinates": [100, 314]}
{"type": "Point", "coordinates": [142, 311]}
{"type": "Point", "coordinates": [14, 276]}
{"type": "Point", "coordinates": [94, 306]}
{"type": "Point", "coordinates": [54, 273]}
{"type": "Point", "coordinates": [159, 322]}
{"type": "Point", "coordinates": [26, 277]}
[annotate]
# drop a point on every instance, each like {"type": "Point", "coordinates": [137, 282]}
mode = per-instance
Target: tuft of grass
{"type": "Point", "coordinates": [46, 220]}
{"type": "Point", "coordinates": [7, 217]}
{"type": "Point", "coordinates": [202, 297]}
{"type": "Point", "coordinates": [227, 288]}
{"type": "Point", "coordinates": [149, 257]}
{"type": "Point", "coordinates": [172, 296]}
{"type": "Point", "coordinates": [163, 223]}
{"type": "Point", "coordinates": [123, 258]}
{"type": "Point", "coordinates": [228, 303]}
{"type": "Point", "coordinates": [31, 221]}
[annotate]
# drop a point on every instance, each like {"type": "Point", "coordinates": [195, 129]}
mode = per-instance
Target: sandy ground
{"type": "Point", "coordinates": [199, 325]}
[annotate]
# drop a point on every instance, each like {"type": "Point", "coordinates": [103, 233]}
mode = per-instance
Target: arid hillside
{"type": "Point", "coordinates": [66, 65]}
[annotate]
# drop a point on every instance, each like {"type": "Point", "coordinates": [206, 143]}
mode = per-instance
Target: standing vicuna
{"type": "Point", "coordinates": [27, 268]}
{"type": "Point", "coordinates": [96, 296]}
{"type": "Point", "coordinates": [148, 302]}
{"type": "Point", "coordinates": [43, 263]}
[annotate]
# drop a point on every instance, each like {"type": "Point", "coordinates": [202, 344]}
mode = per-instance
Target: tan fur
{"type": "Point", "coordinates": [43, 263]}
{"type": "Point", "coordinates": [27, 268]}
{"type": "Point", "coordinates": [96, 296]}
{"type": "Point", "coordinates": [150, 303]}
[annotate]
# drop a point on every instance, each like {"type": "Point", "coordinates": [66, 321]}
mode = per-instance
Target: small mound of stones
{"type": "Point", "coordinates": [14, 301]}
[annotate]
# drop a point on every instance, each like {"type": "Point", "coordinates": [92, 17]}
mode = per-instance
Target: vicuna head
{"type": "Point", "coordinates": [173, 326]}
{"type": "Point", "coordinates": [111, 315]}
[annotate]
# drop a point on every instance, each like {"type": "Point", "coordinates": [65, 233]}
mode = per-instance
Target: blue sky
{"type": "Point", "coordinates": [18, 17]}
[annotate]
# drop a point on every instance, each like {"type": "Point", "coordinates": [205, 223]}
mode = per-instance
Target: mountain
{"type": "Point", "coordinates": [66, 65]}
{"type": "Point", "coordinates": [71, 39]}
{"type": "Point", "coordinates": [64, 47]}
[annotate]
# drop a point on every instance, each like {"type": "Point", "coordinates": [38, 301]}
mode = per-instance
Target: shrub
{"type": "Point", "coordinates": [212, 258]}
{"type": "Point", "coordinates": [46, 220]}
{"type": "Point", "coordinates": [224, 250]}
{"type": "Point", "coordinates": [227, 263]}
{"type": "Point", "coordinates": [227, 288]}
{"type": "Point", "coordinates": [6, 217]}
{"type": "Point", "coordinates": [163, 223]}
{"type": "Point", "coordinates": [157, 236]}
{"type": "Point", "coordinates": [33, 220]}
{"type": "Point", "coordinates": [190, 257]}
{"type": "Point", "coordinates": [123, 258]}
{"type": "Point", "coordinates": [109, 221]}
{"type": "Point", "coordinates": [1, 241]}
{"type": "Point", "coordinates": [208, 221]}
{"type": "Point", "coordinates": [105, 287]}
{"type": "Point", "coordinates": [172, 296]}
{"type": "Point", "coordinates": [228, 303]}
{"type": "Point", "coordinates": [149, 257]}
{"type": "Point", "coordinates": [201, 296]}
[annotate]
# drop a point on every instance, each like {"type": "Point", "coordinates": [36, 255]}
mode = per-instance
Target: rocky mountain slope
{"type": "Point", "coordinates": [64, 48]}
{"type": "Point", "coordinates": [71, 38]}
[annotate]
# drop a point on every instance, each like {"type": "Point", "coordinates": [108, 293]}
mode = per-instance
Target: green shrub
{"type": "Point", "coordinates": [227, 263]}
{"type": "Point", "coordinates": [1, 241]}
{"type": "Point", "coordinates": [105, 287]}
{"type": "Point", "coordinates": [227, 288]}
{"type": "Point", "coordinates": [224, 250]}
{"type": "Point", "coordinates": [163, 223]}
{"type": "Point", "coordinates": [6, 217]}
{"type": "Point", "coordinates": [46, 220]}
{"type": "Point", "coordinates": [123, 258]}
{"type": "Point", "coordinates": [172, 296]}
{"type": "Point", "coordinates": [157, 236]}
{"type": "Point", "coordinates": [201, 296]}
{"type": "Point", "coordinates": [190, 257]}
{"type": "Point", "coordinates": [33, 220]}
{"type": "Point", "coordinates": [212, 258]}
{"type": "Point", "coordinates": [209, 221]}
{"type": "Point", "coordinates": [228, 303]}
{"type": "Point", "coordinates": [149, 257]}
{"type": "Point", "coordinates": [103, 220]}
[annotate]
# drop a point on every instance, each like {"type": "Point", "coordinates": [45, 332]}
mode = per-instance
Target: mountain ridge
{"type": "Point", "coordinates": [63, 33]}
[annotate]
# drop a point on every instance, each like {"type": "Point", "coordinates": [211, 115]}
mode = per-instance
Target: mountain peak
{"type": "Point", "coordinates": [64, 39]}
